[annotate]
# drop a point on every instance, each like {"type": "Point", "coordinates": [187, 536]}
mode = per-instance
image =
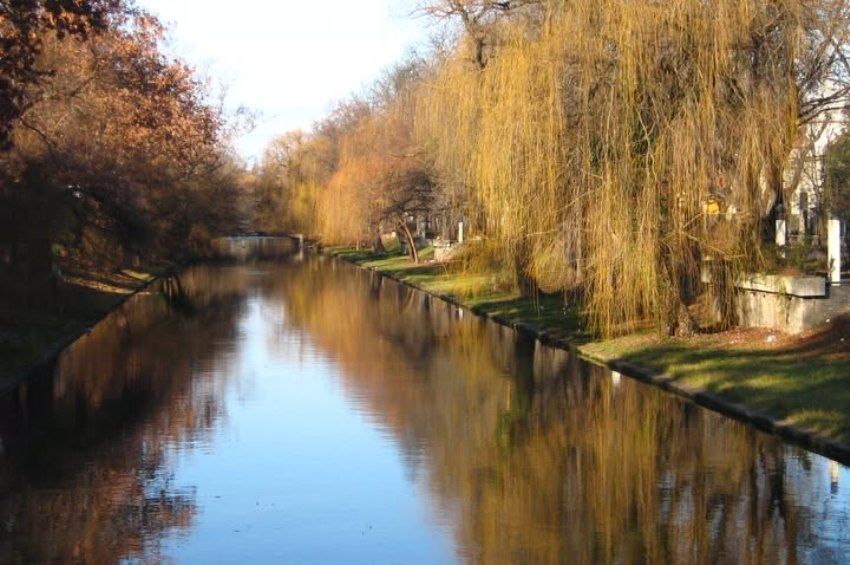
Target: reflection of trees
{"type": "Point", "coordinates": [85, 475]}
{"type": "Point", "coordinates": [531, 455]}
{"type": "Point", "coordinates": [539, 458]}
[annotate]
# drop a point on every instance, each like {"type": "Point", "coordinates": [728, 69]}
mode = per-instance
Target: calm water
{"type": "Point", "coordinates": [307, 411]}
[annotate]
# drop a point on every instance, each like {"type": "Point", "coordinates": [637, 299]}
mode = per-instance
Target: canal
{"type": "Point", "coordinates": [303, 410]}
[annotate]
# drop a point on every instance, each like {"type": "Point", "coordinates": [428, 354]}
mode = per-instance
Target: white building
{"type": "Point", "coordinates": [805, 176]}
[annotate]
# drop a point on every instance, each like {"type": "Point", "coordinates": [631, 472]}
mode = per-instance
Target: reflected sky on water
{"type": "Point", "coordinates": [308, 411]}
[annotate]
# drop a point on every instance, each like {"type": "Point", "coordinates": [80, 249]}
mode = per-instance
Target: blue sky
{"type": "Point", "coordinates": [288, 60]}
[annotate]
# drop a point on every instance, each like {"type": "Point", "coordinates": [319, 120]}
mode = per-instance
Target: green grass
{"type": "Point", "coordinates": [546, 313]}
{"type": "Point", "coordinates": [804, 383]}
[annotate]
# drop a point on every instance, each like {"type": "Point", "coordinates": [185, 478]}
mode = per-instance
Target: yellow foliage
{"type": "Point", "coordinates": [588, 146]}
{"type": "Point", "coordinates": [588, 142]}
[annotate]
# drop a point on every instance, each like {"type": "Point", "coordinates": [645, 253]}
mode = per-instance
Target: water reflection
{"type": "Point", "coordinates": [540, 457]}
{"type": "Point", "coordinates": [85, 473]}
{"type": "Point", "coordinates": [506, 451]}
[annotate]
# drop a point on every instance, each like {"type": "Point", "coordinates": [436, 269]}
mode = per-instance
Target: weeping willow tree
{"type": "Point", "coordinates": [382, 178]}
{"type": "Point", "coordinates": [590, 143]}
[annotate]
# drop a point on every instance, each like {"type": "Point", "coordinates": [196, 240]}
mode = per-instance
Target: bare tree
{"type": "Point", "coordinates": [477, 18]}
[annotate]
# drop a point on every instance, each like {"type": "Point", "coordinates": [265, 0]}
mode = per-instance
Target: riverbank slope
{"type": "Point", "coordinates": [32, 337]}
{"type": "Point", "coordinates": [795, 386]}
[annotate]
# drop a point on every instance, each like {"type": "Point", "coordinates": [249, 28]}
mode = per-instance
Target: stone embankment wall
{"type": "Point", "coordinates": [790, 303]}
{"type": "Point", "coordinates": [791, 313]}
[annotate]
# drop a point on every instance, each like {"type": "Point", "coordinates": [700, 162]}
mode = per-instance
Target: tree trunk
{"type": "Point", "coordinates": [414, 254]}
{"type": "Point", "coordinates": [685, 325]}
{"type": "Point", "coordinates": [378, 245]}
{"type": "Point", "coordinates": [679, 322]}
{"type": "Point", "coordinates": [528, 287]}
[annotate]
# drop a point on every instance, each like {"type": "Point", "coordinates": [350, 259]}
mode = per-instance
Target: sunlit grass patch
{"type": "Point", "coordinates": [792, 382]}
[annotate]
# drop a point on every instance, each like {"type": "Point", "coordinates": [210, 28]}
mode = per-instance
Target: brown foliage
{"type": "Point", "coordinates": [23, 27]}
{"type": "Point", "coordinates": [117, 156]}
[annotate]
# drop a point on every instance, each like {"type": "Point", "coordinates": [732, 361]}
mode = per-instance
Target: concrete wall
{"type": "Point", "coordinates": [789, 303]}
{"type": "Point", "coordinates": [444, 250]}
{"type": "Point", "coordinates": [787, 312]}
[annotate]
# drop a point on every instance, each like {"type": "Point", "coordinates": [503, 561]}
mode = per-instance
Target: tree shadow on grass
{"type": "Point", "coordinates": [548, 313]}
{"type": "Point", "coordinates": [807, 383]}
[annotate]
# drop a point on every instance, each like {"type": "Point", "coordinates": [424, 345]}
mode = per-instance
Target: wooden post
{"type": "Point", "coordinates": [460, 232]}
{"type": "Point", "coordinates": [834, 250]}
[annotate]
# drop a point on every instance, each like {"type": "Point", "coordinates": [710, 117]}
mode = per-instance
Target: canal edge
{"type": "Point", "coordinates": [23, 373]}
{"type": "Point", "coordinates": [800, 436]}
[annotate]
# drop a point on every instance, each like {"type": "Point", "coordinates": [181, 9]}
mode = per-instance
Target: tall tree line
{"type": "Point", "coordinates": [583, 139]}
{"type": "Point", "coordinates": [113, 153]}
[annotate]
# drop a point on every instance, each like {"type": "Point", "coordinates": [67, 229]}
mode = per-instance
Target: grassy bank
{"type": "Point", "coordinates": [801, 381]}
{"type": "Point", "coordinates": [29, 337]}
{"type": "Point", "coordinates": [478, 292]}
{"type": "Point", "coordinates": [797, 380]}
